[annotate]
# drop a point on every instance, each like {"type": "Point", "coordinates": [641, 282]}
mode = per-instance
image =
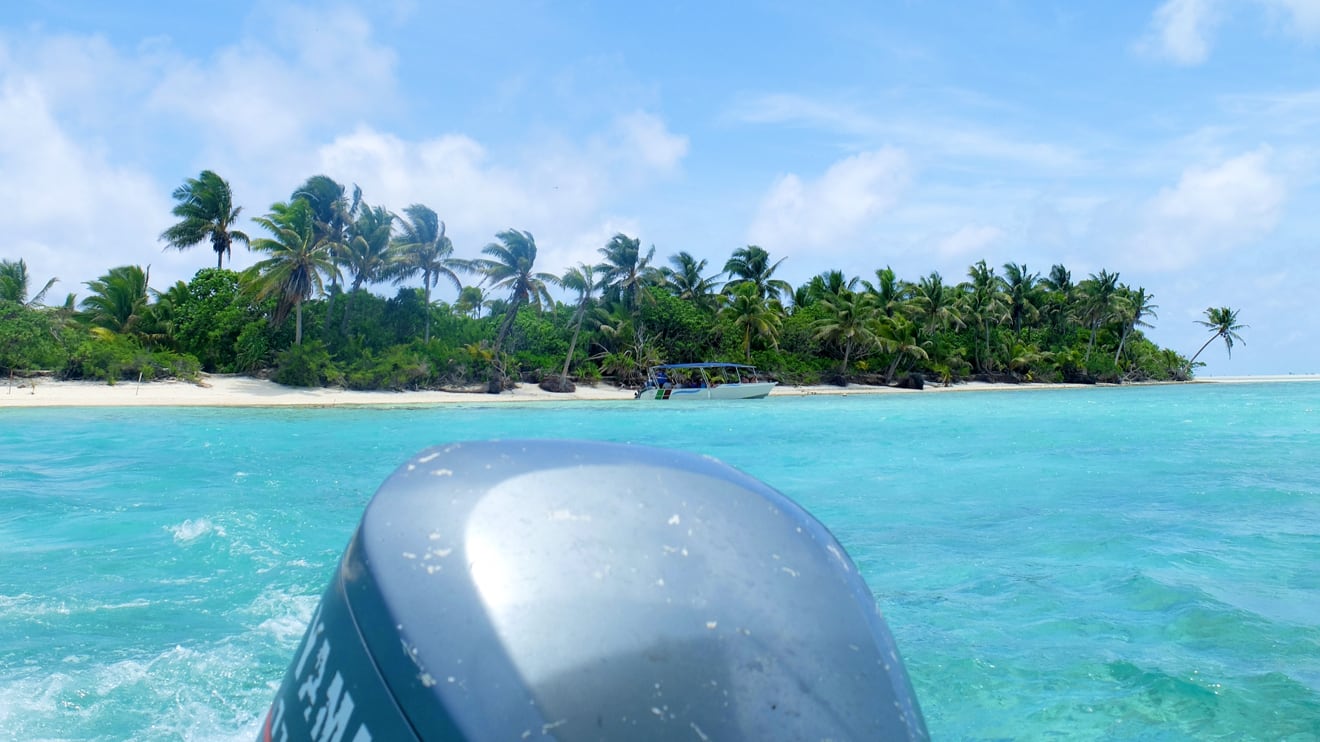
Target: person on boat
{"type": "Point", "coordinates": [662, 380]}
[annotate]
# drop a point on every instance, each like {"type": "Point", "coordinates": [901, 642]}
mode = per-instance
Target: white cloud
{"type": "Point", "coordinates": [67, 207]}
{"type": "Point", "coordinates": [971, 240]}
{"type": "Point", "coordinates": [644, 136]}
{"type": "Point", "coordinates": [1210, 211]}
{"type": "Point", "coordinates": [259, 99]}
{"type": "Point", "coordinates": [824, 214]}
{"type": "Point", "coordinates": [1301, 17]}
{"type": "Point", "coordinates": [1180, 31]}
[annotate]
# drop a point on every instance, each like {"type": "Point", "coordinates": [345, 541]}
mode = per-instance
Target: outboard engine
{"type": "Point", "coordinates": [575, 590]}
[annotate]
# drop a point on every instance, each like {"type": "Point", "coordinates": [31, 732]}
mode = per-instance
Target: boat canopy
{"type": "Point", "coordinates": [703, 365]}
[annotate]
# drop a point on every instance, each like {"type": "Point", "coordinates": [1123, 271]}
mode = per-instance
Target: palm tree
{"type": "Point", "coordinates": [751, 265]}
{"type": "Point", "coordinates": [580, 278]}
{"type": "Point", "coordinates": [1098, 293]}
{"type": "Point", "coordinates": [14, 282]}
{"type": "Point", "coordinates": [625, 271]}
{"type": "Point", "coordinates": [983, 301]}
{"type": "Point", "coordinates": [1021, 291]}
{"type": "Point", "coordinates": [334, 215]}
{"type": "Point", "coordinates": [118, 302]}
{"type": "Point", "coordinates": [849, 322]}
{"type": "Point", "coordinates": [206, 211]}
{"type": "Point", "coordinates": [936, 305]}
{"type": "Point", "coordinates": [902, 337]}
{"type": "Point", "coordinates": [424, 248]}
{"type": "Point", "coordinates": [1134, 307]}
{"type": "Point", "coordinates": [369, 254]}
{"type": "Point", "coordinates": [296, 263]}
{"type": "Point", "coordinates": [471, 300]}
{"type": "Point", "coordinates": [684, 279]}
{"type": "Point", "coordinates": [889, 292]}
{"type": "Point", "coordinates": [828, 284]}
{"type": "Point", "coordinates": [514, 257]}
{"type": "Point", "coordinates": [754, 315]}
{"type": "Point", "coordinates": [1223, 323]}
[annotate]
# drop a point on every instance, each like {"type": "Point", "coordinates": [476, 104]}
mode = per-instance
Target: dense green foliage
{"type": "Point", "coordinates": [305, 314]}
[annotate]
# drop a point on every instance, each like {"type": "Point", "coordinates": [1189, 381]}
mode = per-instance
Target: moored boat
{"type": "Point", "coordinates": [703, 381]}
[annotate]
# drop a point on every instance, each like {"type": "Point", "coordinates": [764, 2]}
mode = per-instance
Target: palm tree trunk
{"type": "Point", "coordinates": [1203, 347]}
{"type": "Point", "coordinates": [497, 371]}
{"type": "Point", "coordinates": [1121, 339]}
{"type": "Point", "coordinates": [297, 325]}
{"type": "Point", "coordinates": [426, 283]}
{"type": "Point", "coordinates": [572, 346]}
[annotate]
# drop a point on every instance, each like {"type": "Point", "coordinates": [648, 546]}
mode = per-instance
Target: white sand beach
{"type": "Point", "coordinates": [217, 390]}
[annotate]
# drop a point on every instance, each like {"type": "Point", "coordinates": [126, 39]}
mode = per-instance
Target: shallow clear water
{"type": "Point", "coordinates": [1131, 563]}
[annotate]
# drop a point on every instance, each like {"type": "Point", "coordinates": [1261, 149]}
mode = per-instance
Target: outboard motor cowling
{"type": "Point", "coordinates": [575, 590]}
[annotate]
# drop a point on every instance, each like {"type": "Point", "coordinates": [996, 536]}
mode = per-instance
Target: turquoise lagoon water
{"type": "Point", "coordinates": [1127, 563]}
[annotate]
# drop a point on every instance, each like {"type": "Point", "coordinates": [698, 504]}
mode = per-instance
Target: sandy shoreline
{"type": "Point", "coordinates": [242, 391]}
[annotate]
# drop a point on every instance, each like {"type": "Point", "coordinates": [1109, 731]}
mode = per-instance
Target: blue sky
{"type": "Point", "coordinates": [1174, 143]}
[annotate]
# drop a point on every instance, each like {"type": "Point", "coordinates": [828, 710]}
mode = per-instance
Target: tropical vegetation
{"type": "Point", "coordinates": [307, 312]}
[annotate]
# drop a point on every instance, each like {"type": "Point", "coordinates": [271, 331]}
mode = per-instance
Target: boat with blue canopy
{"type": "Point", "coordinates": [704, 381]}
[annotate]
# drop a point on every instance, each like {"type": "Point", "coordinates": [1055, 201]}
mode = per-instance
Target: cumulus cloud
{"type": "Point", "coordinates": [970, 240]}
{"type": "Point", "coordinates": [67, 206]}
{"type": "Point", "coordinates": [645, 136]}
{"type": "Point", "coordinates": [1210, 211]}
{"type": "Point", "coordinates": [823, 214]}
{"type": "Point", "coordinates": [1180, 31]}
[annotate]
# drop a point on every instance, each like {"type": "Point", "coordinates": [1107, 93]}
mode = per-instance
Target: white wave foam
{"type": "Point", "coordinates": [191, 530]}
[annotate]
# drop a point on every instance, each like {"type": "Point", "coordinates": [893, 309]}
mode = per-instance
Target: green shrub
{"type": "Point", "coordinates": [121, 358]}
{"type": "Point", "coordinates": [307, 365]}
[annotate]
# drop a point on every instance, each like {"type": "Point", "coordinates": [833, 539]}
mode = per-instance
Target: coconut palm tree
{"type": "Point", "coordinates": [1098, 295]}
{"type": "Point", "coordinates": [849, 322]}
{"type": "Point", "coordinates": [368, 254]}
{"type": "Point", "coordinates": [902, 337]}
{"type": "Point", "coordinates": [625, 272]}
{"type": "Point", "coordinates": [754, 315]}
{"type": "Point", "coordinates": [827, 284]}
{"type": "Point", "coordinates": [471, 300]}
{"type": "Point", "coordinates": [1223, 323]}
{"type": "Point", "coordinates": [936, 305]}
{"type": "Point", "coordinates": [15, 281]}
{"type": "Point", "coordinates": [684, 279]}
{"type": "Point", "coordinates": [206, 211]}
{"type": "Point", "coordinates": [751, 265]}
{"type": "Point", "coordinates": [1134, 307]}
{"type": "Point", "coordinates": [118, 302]}
{"type": "Point", "coordinates": [333, 213]}
{"type": "Point", "coordinates": [297, 261]}
{"type": "Point", "coordinates": [890, 293]}
{"type": "Point", "coordinates": [1021, 293]}
{"type": "Point", "coordinates": [983, 302]}
{"type": "Point", "coordinates": [581, 279]}
{"type": "Point", "coordinates": [511, 267]}
{"type": "Point", "coordinates": [423, 248]}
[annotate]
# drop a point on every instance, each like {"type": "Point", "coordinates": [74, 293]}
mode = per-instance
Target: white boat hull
{"type": "Point", "coordinates": [755, 390]}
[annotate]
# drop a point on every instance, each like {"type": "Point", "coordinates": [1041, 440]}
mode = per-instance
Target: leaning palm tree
{"type": "Point", "coordinates": [118, 302]}
{"type": "Point", "coordinates": [1134, 307]}
{"type": "Point", "coordinates": [754, 315]}
{"type": "Point", "coordinates": [1223, 323]}
{"type": "Point", "coordinates": [15, 281]}
{"type": "Point", "coordinates": [510, 266]}
{"type": "Point", "coordinates": [751, 265]}
{"type": "Point", "coordinates": [423, 248]}
{"type": "Point", "coordinates": [206, 212]}
{"type": "Point", "coordinates": [848, 321]}
{"type": "Point", "coordinates": [297, 261]}
{"type": "Point", "coordinates": [581, 279]}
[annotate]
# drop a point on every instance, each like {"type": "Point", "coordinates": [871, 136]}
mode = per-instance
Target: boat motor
{"type": "Point", "coordinates": [575, 590]}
